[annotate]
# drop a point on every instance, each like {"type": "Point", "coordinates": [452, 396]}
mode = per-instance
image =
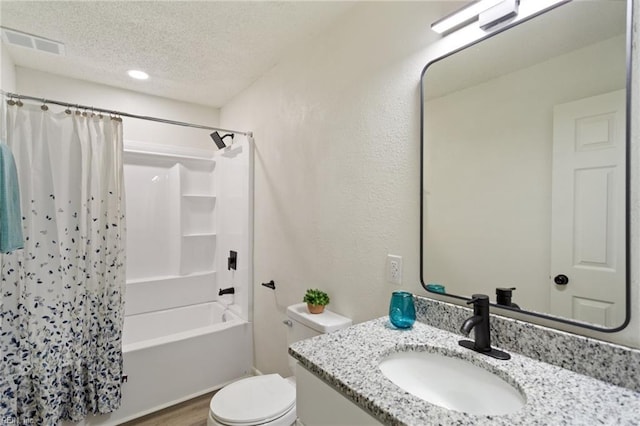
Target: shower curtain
{"type": "Point", "coordinates": [61, 298]}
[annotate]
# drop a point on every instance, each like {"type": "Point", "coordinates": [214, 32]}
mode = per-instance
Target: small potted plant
{"type": "Point", "coordinates": [316, 300]}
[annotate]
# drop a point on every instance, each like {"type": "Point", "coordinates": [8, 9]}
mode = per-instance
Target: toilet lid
{"type": "Point", "coordinates": [253, 400]}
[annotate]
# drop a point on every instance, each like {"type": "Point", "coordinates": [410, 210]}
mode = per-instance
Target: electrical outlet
{"type": "Point", "coordinates": [394, 269]}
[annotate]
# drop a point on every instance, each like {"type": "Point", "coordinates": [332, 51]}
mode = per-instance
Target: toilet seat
{"type": "Point", "coordinates": [253, 401]}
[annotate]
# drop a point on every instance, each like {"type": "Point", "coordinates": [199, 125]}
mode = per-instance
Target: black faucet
{"type": "Point", "coordinates": [479, 322]}
{"type": "Point", "coordinates": [229, 290]}
{"type": "Point", "coordinates": [503, 297]}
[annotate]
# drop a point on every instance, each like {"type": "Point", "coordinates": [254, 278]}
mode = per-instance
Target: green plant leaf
{"type": "Point", "coordinates": [316, 297]}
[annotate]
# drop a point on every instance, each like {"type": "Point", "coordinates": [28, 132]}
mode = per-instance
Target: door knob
{"type": "Point", "coordinates": [561, 279]}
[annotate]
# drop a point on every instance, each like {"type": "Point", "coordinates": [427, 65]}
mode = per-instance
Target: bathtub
{"type": "Point", "coordinates": [174, 355]}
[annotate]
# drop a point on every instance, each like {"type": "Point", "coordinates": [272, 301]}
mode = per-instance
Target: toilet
{"type": "Point", "coordinates": [270, 399]}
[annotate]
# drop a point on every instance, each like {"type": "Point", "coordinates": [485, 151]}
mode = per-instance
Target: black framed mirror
{"type": "Point", "coordinates": [525, 167]}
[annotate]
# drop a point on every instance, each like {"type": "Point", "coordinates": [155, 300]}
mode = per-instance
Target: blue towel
{"type": "Point", "coordinates": [10, 217]}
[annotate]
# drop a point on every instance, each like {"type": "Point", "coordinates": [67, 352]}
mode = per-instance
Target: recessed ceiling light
{"type": "Point", "coordinates": [138, 75]}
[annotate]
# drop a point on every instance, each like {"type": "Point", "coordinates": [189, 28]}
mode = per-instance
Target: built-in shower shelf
{"type": "Point", "coordinates": [200, 235]}
{"type": "Point", "coordinates": [200, 196]}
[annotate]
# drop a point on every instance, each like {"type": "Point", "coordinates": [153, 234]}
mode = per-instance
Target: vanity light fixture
{"type": "Point", "coordinates": [462, 16]}
{"type": "Point", "coordinates": [138, 75]}
{"type": "Point", "coordinates": [487, 12]}
{"type": "Point", "coordinates": [498, 13]}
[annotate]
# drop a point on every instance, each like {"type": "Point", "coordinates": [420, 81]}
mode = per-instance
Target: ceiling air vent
{"type": "Point", "coordinates": [17, 38]}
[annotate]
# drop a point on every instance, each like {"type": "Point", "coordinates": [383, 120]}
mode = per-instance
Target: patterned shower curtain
{"type": "Point", "coordinates": [61, 298]}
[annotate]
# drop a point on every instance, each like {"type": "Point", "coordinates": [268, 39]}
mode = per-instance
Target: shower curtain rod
{"type": "Point", "coordinates": [122, 114]}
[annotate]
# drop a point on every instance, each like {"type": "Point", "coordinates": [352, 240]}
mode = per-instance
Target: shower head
{"type": "Point", "coordinates": [219, 139]}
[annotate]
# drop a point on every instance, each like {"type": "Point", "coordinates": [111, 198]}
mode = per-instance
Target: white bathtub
{"type": "Point", "coordinates": [174, 355]}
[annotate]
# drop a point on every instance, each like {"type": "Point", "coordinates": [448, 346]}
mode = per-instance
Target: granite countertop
{"type": "Point", "coordinates": [348, 361]}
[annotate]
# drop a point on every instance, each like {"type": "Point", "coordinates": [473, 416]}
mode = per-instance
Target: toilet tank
{"type": "Point", "coordinates": [304, 325]}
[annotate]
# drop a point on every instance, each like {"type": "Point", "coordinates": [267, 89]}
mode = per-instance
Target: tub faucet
{"type": "Point", "coordinates": [479, 322]}
{"type": "Point", "coordinates": [229, 290]}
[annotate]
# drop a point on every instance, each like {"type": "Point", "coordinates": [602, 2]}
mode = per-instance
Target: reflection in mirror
{"type": "Point", "coordinates": [524, 167]}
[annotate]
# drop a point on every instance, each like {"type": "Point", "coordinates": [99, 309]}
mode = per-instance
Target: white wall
{"type": "Point", "coordinates": [337, 167]}
{"type": "Point", "coordinates": [7, 70]}
{"type": "Point", "coordinates": [45, 85]}
{"type": "Point", "coordinates": [337, 163]}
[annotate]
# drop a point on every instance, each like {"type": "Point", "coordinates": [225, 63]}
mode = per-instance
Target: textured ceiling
{"type": "Point", "coordinates": [204, 52]}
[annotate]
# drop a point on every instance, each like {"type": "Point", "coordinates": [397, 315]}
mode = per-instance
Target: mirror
{"type": "Point", "coordinates": [524, 167]}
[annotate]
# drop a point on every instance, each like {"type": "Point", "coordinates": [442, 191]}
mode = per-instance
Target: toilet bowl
{"type": "Point", "coordinates": [270, 399]}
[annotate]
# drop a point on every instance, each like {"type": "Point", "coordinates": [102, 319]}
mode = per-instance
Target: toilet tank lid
{"type": "Point", "coordinates": [325, 322]}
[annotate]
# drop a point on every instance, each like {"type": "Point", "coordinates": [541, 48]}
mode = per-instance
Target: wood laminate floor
{"type": "Point", "coordinates": [189, 413]}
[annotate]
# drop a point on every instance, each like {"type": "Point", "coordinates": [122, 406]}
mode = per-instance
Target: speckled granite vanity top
{"type": "Point", "coordinates": [348, 361]}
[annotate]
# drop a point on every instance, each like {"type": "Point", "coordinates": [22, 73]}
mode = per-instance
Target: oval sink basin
{"type": "Point", "coordinates": [451, 383]}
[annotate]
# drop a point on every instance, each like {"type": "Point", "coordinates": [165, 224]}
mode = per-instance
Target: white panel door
{"type": "Point", "coordinates": [588, 210]}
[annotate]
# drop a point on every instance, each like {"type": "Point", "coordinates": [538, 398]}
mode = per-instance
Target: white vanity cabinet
{"type": "Point", "coordinates": [317, 404]}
